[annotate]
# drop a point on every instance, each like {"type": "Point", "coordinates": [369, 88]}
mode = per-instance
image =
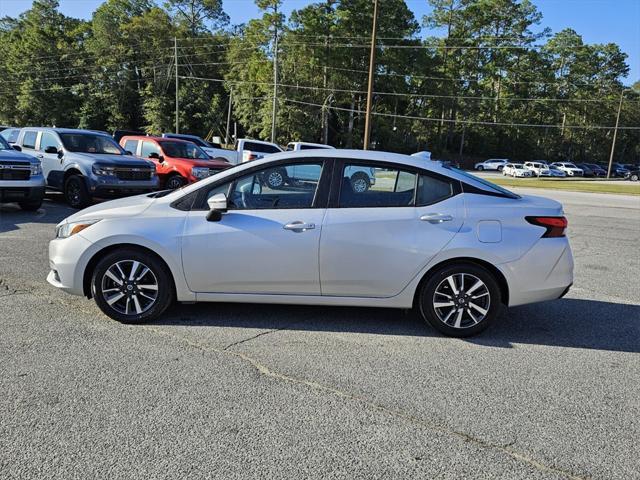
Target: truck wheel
{"type": "Point", "coordinates": [360, 182]}
{"type": "Point", "coordinates": [480, 168]}
{"type": "Point", "coordinates": [75, 192]}
{"type": "Point", "coordinates": [276, 178]}
{"type": "Point", "coordinates": [174, 182]}
{"type": "Point", "coordinates": [31, 206]}
{"type": "Point", "coordinates": [634, 177]}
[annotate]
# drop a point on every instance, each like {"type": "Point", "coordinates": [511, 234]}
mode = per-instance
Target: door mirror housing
{"type": "Point", "coordinates": [51, 149]}
{"type": "Point", "coordinates": [157, 156]}
{"type": "Point", "coordinates": [17, 147]}
{"type": "Point", "coordinates": [217, 206]}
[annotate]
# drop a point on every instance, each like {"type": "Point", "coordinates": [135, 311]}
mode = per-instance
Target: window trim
{"type": "Point", "coordinates": [320, 199]}
{"type": "Point", "coordinates": [340, 163]}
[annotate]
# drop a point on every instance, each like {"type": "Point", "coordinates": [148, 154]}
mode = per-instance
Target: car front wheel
{"type": "Point", "coordinates": [460, 300]}
{"type": "Point", "coordinates": [634, 177]}
{"type": "Point", "coordinates": [175, 181]}
{"type": "Point", "coordinates": [480, 168]}
{"type": "Point", "coordinates": [75, 192]}
{"type": "Point", "coordinates": [132, 286]}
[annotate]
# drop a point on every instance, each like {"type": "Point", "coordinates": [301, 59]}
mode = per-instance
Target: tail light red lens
{"type": "Point", "coordinates": [556, 226]}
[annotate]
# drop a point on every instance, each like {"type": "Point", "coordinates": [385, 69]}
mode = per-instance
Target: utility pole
{"type": "Point", "coordinates": [275, 78]}
{"type": "Point", "coordinates": [226, 137]}
{"type": "Point", "coordinates": [175, 45]}
{"type": "Point", "coordinates": [615, 134]}
{"type": "Point", "coordinates": [372, 61]}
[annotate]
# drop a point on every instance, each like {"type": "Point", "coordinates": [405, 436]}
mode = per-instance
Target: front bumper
{"type": "Point", "coordinates": [68, 259]}
{"type": "Point", "coordinates": [22, 190]}
{"type": "Point", "coordinates": [103, 186]}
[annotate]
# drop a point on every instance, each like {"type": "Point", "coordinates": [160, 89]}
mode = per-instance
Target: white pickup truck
{"type": "Point", "coordinates": [245, 149]}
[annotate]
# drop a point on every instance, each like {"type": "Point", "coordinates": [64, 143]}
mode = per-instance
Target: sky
{"type": "Point", "coordinates": [598, 21]}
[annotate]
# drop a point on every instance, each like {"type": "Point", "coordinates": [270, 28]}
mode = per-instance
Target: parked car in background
{"type": "Point", "coordinates": [21, 178]}
{"type": "Point", "coordinates": [209, 147]}
{"type": "Point", "coordinates": [492, 164]}
{"type": "Point", "coordinates": [516, 170]}
{"type": "Point", "coordinates": [587, 171]}
{"type": "Point", "coordinates": [228, 239]}
{"type": "Point", "coordinates": [84, 164]}
{"type": "Point", "coordinates": [597, 170]}
{"type": "Point", "coordinates": [569, 168]}
{"type": "Point", "coordinates": [360, 178]}
{"type": "Point", "coordinates": [633, 175]}
{"type": "Point", "coordinates": [619, 170]}
{"type": "Point", "coordinates": [539, 169]}
{"type": "Point", "coordinates": [177, 162]}
{"type": "Point", "coordinates": [10, 134]}
{"type": "Point", "coordinates": [555, 171]}
{"type": "Point", "coordinates": [297, 146]}
{"type": "Point", "coordinates": [245, 150]}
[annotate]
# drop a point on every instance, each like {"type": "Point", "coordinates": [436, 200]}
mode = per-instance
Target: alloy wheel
{"type": "Point", "coordinates": [275, 179]}
{"type": "Point", "coordinates": [129, 287]}
{"type": "Point", "coordinates": [359, 185]}
{"type": "Point", "coordinates": [461, 300]}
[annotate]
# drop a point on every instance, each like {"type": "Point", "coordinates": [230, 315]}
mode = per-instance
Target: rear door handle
{"type": "Point", "coordinates": [436, 218]}
{"type": "Point", "coordinates": [299, 226]}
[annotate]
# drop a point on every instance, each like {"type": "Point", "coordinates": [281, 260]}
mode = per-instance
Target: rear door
{"type": "Point", "coordinates": [375, 241]}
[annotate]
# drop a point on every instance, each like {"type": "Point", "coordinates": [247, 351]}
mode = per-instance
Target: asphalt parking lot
{"type": "Point", "coordinates": [258, 391]}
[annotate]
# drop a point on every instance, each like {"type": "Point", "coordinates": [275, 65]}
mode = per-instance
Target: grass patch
{"type": "Point", "coordinates": [622, 187]}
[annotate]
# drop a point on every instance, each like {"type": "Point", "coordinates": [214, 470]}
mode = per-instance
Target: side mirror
{"type": "Point", "coordinates": [128, 152]}
{"type": "Point", "coordinates": [156, 156]}
{"type": "Point", "coordinates": [17, 147]}
{"type": "Point", "coordinates": [51, 149]}
{"type": "Point", "coordinates": [217, 206]}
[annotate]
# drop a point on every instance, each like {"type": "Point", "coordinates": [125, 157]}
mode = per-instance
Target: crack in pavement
{"type": "Point", "coordinates": [408, 417]}
{"type": "Point", "coordinates": [261, 334]}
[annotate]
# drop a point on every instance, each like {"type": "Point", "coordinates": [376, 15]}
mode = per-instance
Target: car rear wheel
{"type": "Point", "coordinates": [360, 182]}
{"type": "Point", "coordinates": [175, 181]}
{"type": "Point", "coordinates": [460, 300]}
{"type": "Point", "coordinates": [131, 286]}
{"type": "Point", "coordinates": [634, 177]}
{"type": "Point", "coordinates": [75, 192]}
{"type": "Point", "coordinates": [480, 168]}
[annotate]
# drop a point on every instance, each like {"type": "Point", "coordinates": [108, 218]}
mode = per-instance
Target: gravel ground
{"type": "Point", "coordinates": [255, 391]}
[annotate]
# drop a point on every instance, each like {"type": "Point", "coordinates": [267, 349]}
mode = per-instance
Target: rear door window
{"type": "Point", "coordinates": [364, 185]}
{"type": "Point", "coordinates": [29, 139]}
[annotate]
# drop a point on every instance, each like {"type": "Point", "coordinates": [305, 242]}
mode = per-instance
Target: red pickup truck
{"type": "Point", "coordinates": [178, 162]}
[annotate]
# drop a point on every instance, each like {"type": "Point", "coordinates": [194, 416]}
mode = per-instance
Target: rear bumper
{"type": "Point", "coordinates": [543, 273]}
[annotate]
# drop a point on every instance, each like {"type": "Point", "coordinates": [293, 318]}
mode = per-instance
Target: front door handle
{"type": "Point", "coordinates": [436, 218]}
{"type": "Point", "coordinates": [299, 226]}
{"type": "Point", "coordinates": [40, 156]}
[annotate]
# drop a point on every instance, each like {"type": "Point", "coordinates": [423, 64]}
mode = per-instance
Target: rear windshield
{"type": "Point", "coordinates": [489, 185]}
{"type": "Point", "coordinates": [260, 147]}
{"type": "Point", "coordinates": [183, 150]}
{"type": "Point", "coordinates": [90, 143]}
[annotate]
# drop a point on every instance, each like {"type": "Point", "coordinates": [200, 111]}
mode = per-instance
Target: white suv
{"type": "Point", "coordinates": [569, 168]}
{"type": "Point", "coordinates": [492, 164]}
{"type": "Point", "coordinates": [516, 170]}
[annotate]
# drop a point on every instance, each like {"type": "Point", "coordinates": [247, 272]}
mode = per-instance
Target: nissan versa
{"type": "Point", "coordinates": [424, 235]}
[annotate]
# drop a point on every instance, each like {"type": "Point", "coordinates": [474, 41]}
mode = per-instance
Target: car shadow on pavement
{"type": "Point", "coordinates": [52, 211]}
{"type": "Point", "coordinates": [568, 322]}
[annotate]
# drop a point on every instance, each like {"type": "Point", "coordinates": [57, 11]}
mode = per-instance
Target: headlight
{"type": "Point", "coordinates": [200, 172]}
{"type": "Point", "coordinates": [67, 229]}
{"type": "Point", "coordinates": [36, 169]}
{"type": "Point", "coordinates": [103, 171]}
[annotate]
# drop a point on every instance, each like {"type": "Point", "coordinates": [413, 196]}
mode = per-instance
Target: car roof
{"type": "Point", "coordinates": [157, 139]}
{"type": "Point", "coordinates": [68, 130]}
{"type": "Point", "coordinates": [321, 145]}
{"type": "Point", "coordinates": [259, 141]}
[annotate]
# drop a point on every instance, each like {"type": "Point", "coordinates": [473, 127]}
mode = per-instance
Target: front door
{"type": "Point", "coordinates": [51, 162]}
{"type": "Point", "coordinates": [376, 240]}
{"type": "Point", "coordinates": [267, 243]}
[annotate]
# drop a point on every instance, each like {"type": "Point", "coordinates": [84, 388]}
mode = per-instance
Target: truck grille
{"type": "Point", "coordinates": [133, 173]}
{"type": "Point", "coordinates": [10, 171]}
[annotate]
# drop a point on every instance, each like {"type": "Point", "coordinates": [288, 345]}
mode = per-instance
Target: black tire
{"type": "Point", "coordinates": [480, 168]}
{"type": "Point", "coordinates": [489, 300]}
{"type": "Point", "coordinates": [31, 206]}
{"type": "Point", "coordinates": [76, 193]}
{"type": "Point", "coordinates": [275, 178]}
{"type": "Point", "coordinates": [158, 273]}
{"type": "Point", "coordinates": [500, 168]}
{"type": "Point", "coordinates": [360, 182]}
{"type": "Point", "coordinates": [175, 181]}
{"type": "Point", "coordinates": [634, 177]}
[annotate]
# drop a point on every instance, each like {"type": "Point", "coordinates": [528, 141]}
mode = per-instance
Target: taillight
{"type": "Point", "coordinates": [555, 226]}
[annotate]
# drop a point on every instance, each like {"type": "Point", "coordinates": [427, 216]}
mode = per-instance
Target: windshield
{"type": "Point", "coordinates": [491, 186]}
{"type": "Point", "coordinates": [3, 144]}
{"type": "Point", "coordinates": [183, 150]}
{"type": "Point", "coordinates": [90, 143]}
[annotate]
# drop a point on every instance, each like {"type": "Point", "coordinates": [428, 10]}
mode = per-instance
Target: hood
{"type": "Point", "coordinates": [14, 155]}
{"type": "Point", "coordinates": [208, 163]}
{"type": "Point", "coordinates": [122, 207]}
{"type": "Point", "coordinates": [115, 160]}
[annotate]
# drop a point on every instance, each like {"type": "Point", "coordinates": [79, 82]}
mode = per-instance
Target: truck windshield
{"type": "Point", "coordinates": [183, 150]}
{"type": "Point", "coordinates": [90, 143]}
